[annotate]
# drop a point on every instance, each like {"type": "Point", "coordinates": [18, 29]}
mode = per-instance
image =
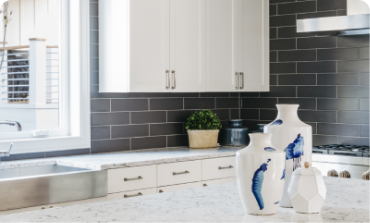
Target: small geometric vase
{"type": "Point", "coordinates": [294, 137]}
{"type": "Point", "coordinates": [260, 175]}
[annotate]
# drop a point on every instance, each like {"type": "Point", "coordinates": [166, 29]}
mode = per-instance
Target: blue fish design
{"type": "Point", "coordinates": [277, 122]}
{"type": "Point", "coordinates": [257, 181]}
{"type": "Point", "coordinates": [283, 177]}
{"type": "Point", "coordinates": [269, 149]}
{"type": "Point", "coordinates": [295, 151]}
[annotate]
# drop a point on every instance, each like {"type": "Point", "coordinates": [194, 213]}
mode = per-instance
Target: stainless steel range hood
{"type": "Point", "coordinates": [355, 23]}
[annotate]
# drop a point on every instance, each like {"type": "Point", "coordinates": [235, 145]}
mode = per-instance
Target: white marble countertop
{"type": "Point", "coordinates": [128, 159]}
{"type": "Point", "coordinates": [347, 201]}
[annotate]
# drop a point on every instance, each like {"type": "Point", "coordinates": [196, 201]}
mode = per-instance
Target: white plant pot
{"type": "Point", "coordinates": [260, 175]}
{"type": "Point", "coordinates": [293, 136]}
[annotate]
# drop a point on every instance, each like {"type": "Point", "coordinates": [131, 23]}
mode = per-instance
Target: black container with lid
{"type": "Point", "coordinates": [235, 134]}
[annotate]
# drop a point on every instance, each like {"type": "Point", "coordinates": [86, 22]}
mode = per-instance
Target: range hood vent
{"type": "Point", "coordinates": [344, 25]}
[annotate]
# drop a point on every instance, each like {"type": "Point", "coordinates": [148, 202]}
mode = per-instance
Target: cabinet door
{"type": "Point", "coordinates": [187, 45]}
{"type": "Point", "coordinates": [221, 45]}
{"type": "Point", "coordinates": [254, 45]}
{"type": "Point", "coordinates": [149, 37]}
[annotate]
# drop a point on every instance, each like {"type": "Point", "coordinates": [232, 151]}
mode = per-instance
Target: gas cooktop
{"type": "Point", "coordinates": [342, 149]}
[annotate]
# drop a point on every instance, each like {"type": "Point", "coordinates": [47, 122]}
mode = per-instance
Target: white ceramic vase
{"type": "Point", "coordinates": [260, 175]}
{"type": "Point", "coordinates": [293, 136]}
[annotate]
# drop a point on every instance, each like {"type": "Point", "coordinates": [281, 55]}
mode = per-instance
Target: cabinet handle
{"type": "Point", "coordinates": [227, 167]}
{"type": "Point", "coordinates": [205, 185]}
{"type": "Point", "coordinates": [174, 79]}
{"type": "Point", "coordinates": [180, 173]}
{"type": "Point", "coordinates": [128, 179]}
{"type": "Point", "coordinates": [134, 195]}
{"type": "Point", "coordinates": [160, 191]}
{"type": "Point", "coordinates": [168, 79]}
{"type": "Point", "coordinates": [242, 76]}
{"type": "Point", "coordinates": [237, 81]}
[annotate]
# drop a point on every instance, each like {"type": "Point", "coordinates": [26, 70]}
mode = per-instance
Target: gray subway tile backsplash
{"type": "Point", "coordinates": [148, 117]}
{"type": "Point", "coordinates": [297, 7]}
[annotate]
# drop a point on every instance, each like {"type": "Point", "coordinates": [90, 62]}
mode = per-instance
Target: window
{"type": "Point", "coordinates": [44, 79]}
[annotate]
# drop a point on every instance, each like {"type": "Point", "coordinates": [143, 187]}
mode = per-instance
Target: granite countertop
{"type": "Point", "coordinates": [347, 201]}
{"type": "Point", "coordinates": [128, 159]}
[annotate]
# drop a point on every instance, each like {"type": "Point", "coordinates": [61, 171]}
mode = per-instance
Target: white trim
{"type": "Point", "coordinates": [74, 132]}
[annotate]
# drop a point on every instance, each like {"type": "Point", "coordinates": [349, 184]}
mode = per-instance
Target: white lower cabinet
{"type": "Point", "coordinates": [179, 187]}
{"type": "Point", "coordinates": [218, 168]}
{"type": "Point", "coordinates": [129, 194]}
{"type": "Point", "coordinates": [218, 181]}
{"type": "Point", "coordinates": [179, 173]}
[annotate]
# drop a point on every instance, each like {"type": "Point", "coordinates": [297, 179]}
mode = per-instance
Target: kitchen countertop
{"type": "Point", "coordinates": [128, 159]}
{"type": "Point", "coordinates": [347, 201]}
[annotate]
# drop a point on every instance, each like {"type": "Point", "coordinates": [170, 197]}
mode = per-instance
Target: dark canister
{"type": "Point", "coordinates": [235, 134]}
{"type": "Point", "coordinates": [260, 128]}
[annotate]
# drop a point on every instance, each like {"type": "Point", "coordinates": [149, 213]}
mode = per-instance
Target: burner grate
{"type": "Point", "coordinates": [343, 150]}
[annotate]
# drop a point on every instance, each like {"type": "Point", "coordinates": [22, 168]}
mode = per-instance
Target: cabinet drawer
{"type": "Point", "coordinates": [218, 168]}
{"type": "Point", "coordinates": [130, 194]}
{"type": "Point", "coordinates": [179, 173]}
{"type": "Point", "coordinates": [126, 179]}
{"type": "Point", "coordinates": [179, 187]}
{"type": "Point", "coordinates": [219, 181]}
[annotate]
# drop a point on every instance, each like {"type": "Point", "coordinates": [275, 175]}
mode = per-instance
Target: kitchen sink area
{"type": "Point", "coordinates": [49, 184]}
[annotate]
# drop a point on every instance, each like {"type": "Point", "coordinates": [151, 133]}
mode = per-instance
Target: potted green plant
{"type": "Point", "coordinates": [203, 128]}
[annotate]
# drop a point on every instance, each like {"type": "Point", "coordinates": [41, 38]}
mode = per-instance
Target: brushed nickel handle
{"type": "Point", "coordinates": [205, 185]}
{"type": "Point", "coordinates": [180, 173]}
{"type": "Point", "coordinates": [237, 81]}
{"type": "Point", "coordinates": [160, 191]}
{"type": "Point", "coordinates": [226, 167]}
{"type": "Point", "coordinates": [174, 79]}
{"type": "Point", "coordinates": [134, 195]}
{"type": "Point", "coordinates": [168, 79]}
{"type": "Point", "coordinates": [242, 76]}
{"type": "Point", "coordinates": [345, 174]}
{"type": "Point", "coordinates": [129, 179]}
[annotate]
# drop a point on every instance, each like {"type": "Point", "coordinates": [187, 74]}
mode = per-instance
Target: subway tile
{"type": "Point", "coordinates": [249, 113]}
{"type": "Point", "coordinates": [353, 117]}
{"type": "Point", "coordinates": [297, 7]}
{"type": "Point", "coordinates": [148, 117]}
{"type": "Point", "coordinates": [353, 92]}
{"type": "Point", "coordinates": [291, 32]}
{"type": "Point", "coordinates": [234, 94]}
{"type": "Point", "coordinates": [364, 104]}
{"type": "Point", "coordinates": [353, 41]}
{"type": "Point", "coordinates": [273, 80]}
{"type": "Point", "coordinates": [297, 55]}
{"type": "Point", "coordinates": [318, 116]}
{"type": "Point", "coordinates": [273, 56]}
{"type": "Point", "coordinates": [94, 77]}
{"type": "Point", "coordinates": [304, 103]}
{"type": "Point", "coordinates": [326, 5]}
{"type": "Point", "coordinates": [282, 44]}
{"type": "Point", "coordinates": [338, 129]}
{"type": "Point", "coordinates": [166, 104]}
{"type": "Point", "coordinates": [297, 79]}
{"type": "Point", "coordinates": [317, 91]}
{"type": "Point", "coordinates": [364, 53]}
{"type": "Point", "coordinates": [148, 143]}
{"type": "Point", "coordinates": [273, 9]}
{"type": "Point", "coordinates": [94, 64]}
{"type": "Point", "coordinates": [283, 68]}
{"type": "Point", "coordinates": [364, 131]}
{"type": "Point", "coordinates": [253, 124]}
{"type": "Point", "coordinates": [319, 140]}
{"type": "Point", "coordinates": [317, 67]}
{"type": "Point", "coordinates": [166, 129]}
{"type": "Point", "coordinates": [353, 141]}
{"type": "Point", "coordinates": [223, 114]}
{"type": "Point", "coordinates": [94, 50]}
{"type": "Point", "coordinates": [342, 12]}
{"type": "Point", "coordinates": [227, 102]}
{"type": "Point", "coordinates": [259, 102]}
{"type": "Point", "coordinates": [285, 20]}
{"type": "Point", "coordinates": [338, 54]}
{"type": "Point", "coordinates": [215, 95]}
{"type": "Point", "coordinates": [337, 79]}
{"type": "Point", "coordinates": [177, 140]}
{"type": "Point", "coordinates": [313, 126]}
{"type": "Point", "coordinates": [249, 94]}
{"type": "Point", "coordinates": [268, 115]}
{"type": "Point", "coordinates": [94, 9]}
{"type": "Point", "coordinates": [316, 15]}
{"type": "Point", "coordinates": [316, 42]}
{"type": "Point", "coordinates": [234, 114]}
{"type": "Point", "coordinates": [94, 37]}
{"type": "Point", "coordinates": [364, 79]}
{"type": "Point", "coordinates": [273, 33]}
{"type": "Point", "coordinates": [120, 118]}
{"type": "Point", "coordinates": [337, 104]}
{"type": "Point", "coordinates": [199, 103]}
{"type": "Point", "coordinates": [94, 23]}
{"type": "Point", "coordinates": [129, 104]}
{"type": "Point", "coordinates": [167, 95]}
{"type": "Point", "coordinates": [129, 131]}
{"type": "Point", "coordinates": [280, 91]}
{"type": "Point", "coordinates": [100, 133]}
{"type": "Point", "coordinates": [23, 156]}
{"type": "Point", "coordinates": [280, 1]}
{"type": "Point", "coordinates": [110, 146]}
{"type": "Point", "coordinates": [179, 116]}
{"type": "Point", "coordinates": [353, 66]}
{"type": "Point", "coordinates": [100, 105]}
{"type": "Point", "coordinates": [73, 152]}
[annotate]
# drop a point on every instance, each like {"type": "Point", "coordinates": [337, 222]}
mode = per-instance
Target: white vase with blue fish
{"type": "Point", "coordinates": [294, 137]}
{"type": "Point", "coordinates": [260, 175]}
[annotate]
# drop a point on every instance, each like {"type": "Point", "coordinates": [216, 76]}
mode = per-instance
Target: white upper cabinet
{"type": "Point", "coordinates": [183, 45]}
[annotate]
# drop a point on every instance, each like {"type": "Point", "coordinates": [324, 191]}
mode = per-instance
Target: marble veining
{"type": "Point", "coordinates": [347, 201]}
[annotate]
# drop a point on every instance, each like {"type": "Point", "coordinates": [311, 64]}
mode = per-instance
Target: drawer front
{"type": "Point", "coordinates": [130, 194]}
{"type": "Point", "coordinates": [218, 168]}
{"type": "Point", "coordinates": [179, 187]}
{"type": "Point", "coordinates": [219, 181]}
{"type": "Point", "coordinates": [179, 173]}
{"type": "Point", "coordinates": [135, 178]}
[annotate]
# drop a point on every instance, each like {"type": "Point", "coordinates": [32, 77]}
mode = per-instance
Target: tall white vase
{"type": "Point", "coordinates": [293, 136]}
{"type": "Point", "coordinates": [260, 175]}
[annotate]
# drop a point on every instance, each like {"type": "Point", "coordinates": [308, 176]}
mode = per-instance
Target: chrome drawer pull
{"type": "Point", "coordinates": [186, 172]}
{"type": "Point", "coordinates": [134, 195]}
{"type": "Point", "coordinates": [242, 82]}
{"type": "Point", "coordinates": [237, 81]}
{"type": "Point", "coordinates": [168, 79]}
{"type": "Point", "coordinates": [128, 179]}
{"type": "Point", "coordinates": [227, 167]}
{"type": "Point", "coordinates": [174, 79]}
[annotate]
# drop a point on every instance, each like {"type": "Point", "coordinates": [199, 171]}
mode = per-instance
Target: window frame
{"type": "Point", "coordinates": [74, 106]}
